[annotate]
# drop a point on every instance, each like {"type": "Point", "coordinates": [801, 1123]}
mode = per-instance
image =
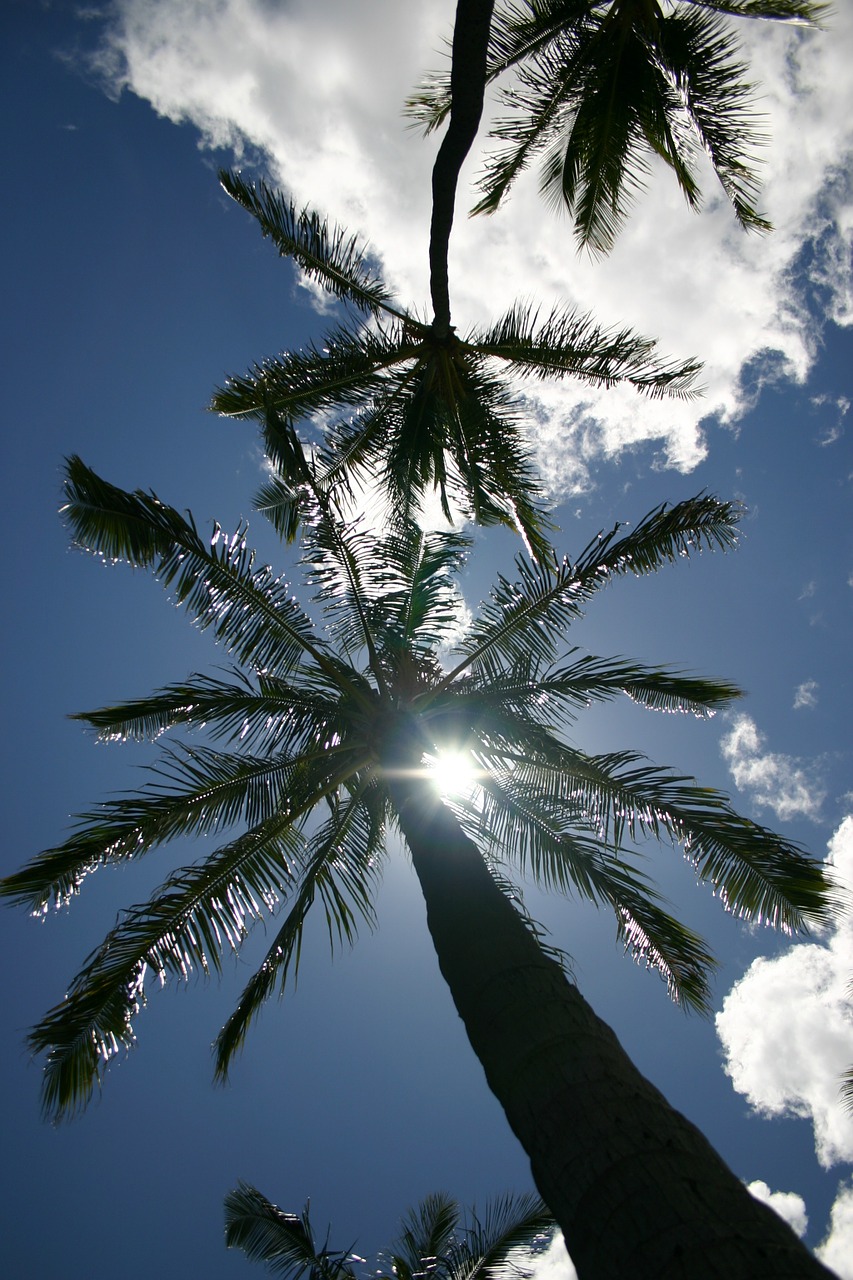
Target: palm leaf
{"type": "Point", "coordinates": [811, 12]}
{"type": "Point", "coordinates": [274, 714]}
{"type": "Point", "coordinates": [533, 613]}
{"type": "Point", "coordinates": [283, 1241]}
{"type": "Point", "coordinates": [598, 88]}
{"type": "Point", "coordinates": [509, 1224]}
{"type": "Point", "coordinates": [426, 1237]}
{"type": "Point", "coordinates": [187, 923]}
{"type": "Point", "coordinates": [563, 851]}
{"type": "Point", "coordinates": [252, 612]}
{"type": "Point", "coordinates": [338, 260]}
{"type": "Point", "coordinates": [341, 864]}
{"type": "Point", "coordinates": [757, 874]}
{"type": "Point", "coordinates": [700, 57]}
{"type": "Point", "coordinates": [569, 344]}
{"type": "Point", "coordinates": [201, 791]}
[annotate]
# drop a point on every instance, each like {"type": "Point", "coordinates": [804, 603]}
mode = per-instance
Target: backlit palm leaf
{"type": "Point", "coordinates": [340, 868]}
{"type": "Point", "coordinates": [414, 406]}
{"type": "Point", "coordinates": [284, 1241]}
{"type": "Point", "coordinates": [603, 86]}
{"type": "Point", "coordinates": [334, 724]}
{"type": "Point", "coordinates": [436, 1239]}
{"type": "Point", "coordinates": [327, 254]}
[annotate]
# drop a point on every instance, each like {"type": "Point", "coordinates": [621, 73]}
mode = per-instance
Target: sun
{"type": "Point", "coordinates": [452, 772]}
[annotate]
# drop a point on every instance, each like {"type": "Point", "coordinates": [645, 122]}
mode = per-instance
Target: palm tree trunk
{"type": "Point", "coordinates": [635, 1187]}
{"type": "Point", "coordinates": [467, 87]}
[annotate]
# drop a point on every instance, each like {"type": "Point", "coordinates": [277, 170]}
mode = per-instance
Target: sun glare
{"type": "Point", "coordinates": [453, 773]}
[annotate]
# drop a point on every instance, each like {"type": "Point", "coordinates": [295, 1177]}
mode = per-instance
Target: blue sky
{"type": "Point", "coordinates": [133, 288]}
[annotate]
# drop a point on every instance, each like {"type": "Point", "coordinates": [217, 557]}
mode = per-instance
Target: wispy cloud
{"type": "Point", "coordinates": [319, 88]}
{"type": "Point", "coordinates": [806, 694]}
{"type": "Point", "coordinates": [788, 786]}
{"type": "Point", "coordinates": [839, 407]}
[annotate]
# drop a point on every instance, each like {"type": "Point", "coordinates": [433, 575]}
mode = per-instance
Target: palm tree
{"type": "Point", "coordinates": [411, 405]}
{"type": "Point", "coordinates": [602, 86]}
{"type": "Point", "coordinates": [435, 1240]}
{"type": "Point", "coordinates": [331, 737]}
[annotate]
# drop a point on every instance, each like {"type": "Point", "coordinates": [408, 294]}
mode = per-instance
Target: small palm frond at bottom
{"type": "Point", "coordinates": [283, 1241]}
{"type": "Point", "coordinates": [502, 1241]}
{"type": "Point", "coordinates": [426, 1235]}
{"type": "Point", "coordinates": [436, 1239]}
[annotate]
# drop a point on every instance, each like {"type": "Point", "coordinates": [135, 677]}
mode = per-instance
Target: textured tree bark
{"type": "Point", "coordinates": [636, 1188]}
{"type": "Point", "coordinates": [467, 87]}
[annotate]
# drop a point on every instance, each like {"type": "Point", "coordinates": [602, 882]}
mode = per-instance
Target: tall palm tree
{"type": "Point", "coordinates": [410, 404]}
{"type": "Point", "coordinates": [435, 1240]}
{"type": "Point", "coordinates": [331, 737]}
{"type": "Point", "coordinates": [602, 86]}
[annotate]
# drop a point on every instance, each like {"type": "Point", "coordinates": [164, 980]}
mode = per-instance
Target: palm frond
{"type": "Point", "coordinates": [561, 849]}
{"type": "Point", "coordinates": [252, 612]}
{"type": "Point", "coordinates": [811, 12]}
{"type": "Point", "coordinates": [425, 1237]}
{"type": "Point", "coordinates": [344, 371]}
{"type": "Point", "coordinates": [341, 865]}
{"type": "Point", "coordinates": [273, 714]}
{"type": "Point", "coordinates": [757, 874]}
{"type": "Point", "coordinates": [423, 607]}
{"type": "Point", "coordinates": [196, 914]}
{"type": "Point", "coordinates": [570, 344]}
{"type": "Point", "coordinates": [279, 499]}
{"type": "Point", "coordinates": [283, 1241]}
{"type": "Point", "coordinates": [199, 792]}
{"type": "Point", "coordinates": [590, 679]}
{"type": "Point", "coordinates": [701, 57]}
{"type": "Point", "coordinates": [508, 1224]}
{"type": "Point", "coordinates": [847, 1090]}
{"type": "Point", "coordinates": [330, 255]}
{"type": "Point", "coordinates": [534, 612]}
{"type": "Point", "coordinates": [538, 105]}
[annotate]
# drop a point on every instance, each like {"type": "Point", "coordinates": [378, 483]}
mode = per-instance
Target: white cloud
{"type": "Point", "coordinates": [837, 1249]}
{"type": "Point", "coordinates": [319, 89]}
{"type": "Point", "coordinates": [552, 1263]}
{"type": "Point", "coordinates": [787, 1026]}
{"type": "Point", "coordinates": [787, 1204]}
{"type": "Point", "coordinates": [806, 694]}
{"type": "Point", "coordinates": [779, 782]}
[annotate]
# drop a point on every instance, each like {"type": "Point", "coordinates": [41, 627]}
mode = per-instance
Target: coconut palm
{"type": "Point", "coordinates": [603, 86]}
{"type": "Point", "coordinates": [330, 739]}
{"type": "Point", "coordinates": [410, 405]}
{"type": "Point", "coordinates": [436, 1239]}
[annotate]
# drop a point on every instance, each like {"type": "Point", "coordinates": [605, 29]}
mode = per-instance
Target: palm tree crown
{"type": "Point", "coordinates": [436, 1239]}
{"type": "Point", "coordinates": [324, 732]}
{"type": "Point", "coordinates": [602, 86]}
{"type": "Point", "coordinates": [411, 405]}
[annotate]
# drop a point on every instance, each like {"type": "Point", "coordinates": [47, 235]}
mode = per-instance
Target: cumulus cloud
{"type": "Point", "coordinates": [787, 1204]}
{"type": "Point", "coordinates": [787, 1026]}
{"type": "Point", "coordinates": [806, 694]}
{"type": "Point", "coordinates": [837, 1249]}
{"type": "Point", "coordinates": [775, 781]}
{"type": "Point", "coordinates": [318, 90]}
